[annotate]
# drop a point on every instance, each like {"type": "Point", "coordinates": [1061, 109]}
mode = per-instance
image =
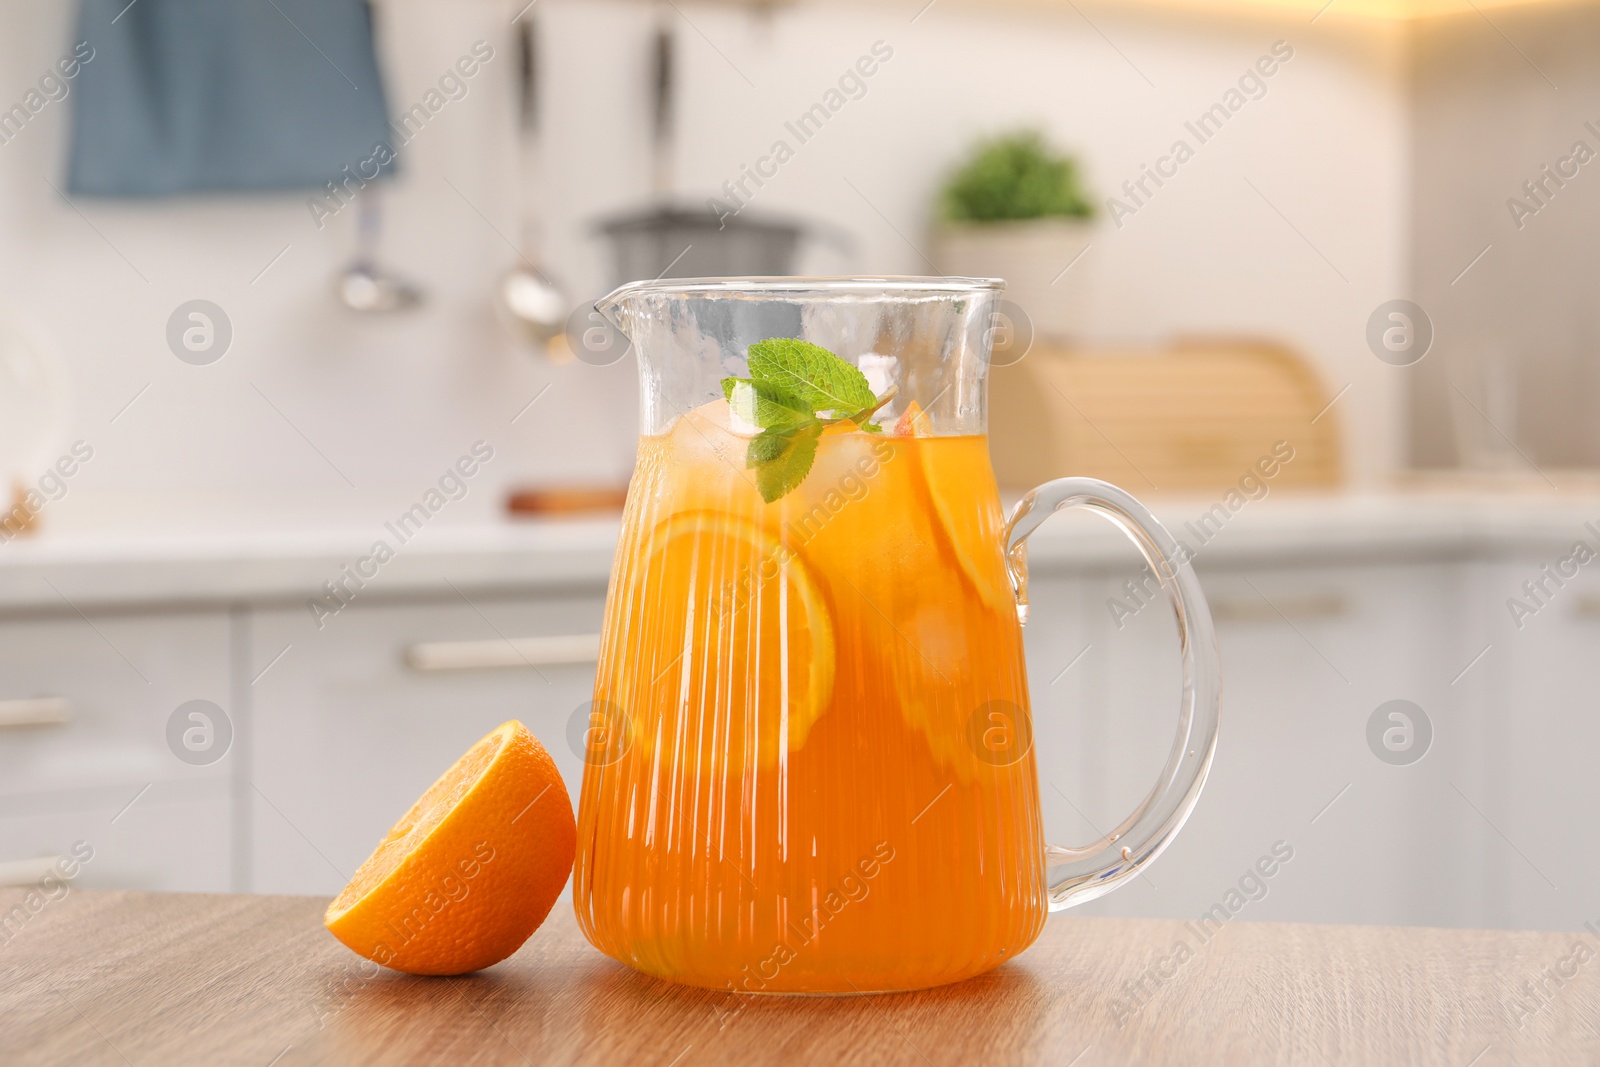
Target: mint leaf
{"type": "Point", "coordinates": [766, 447]}
{"type": "Point", "coordinates": [811, 374]}
{"type": "Point", "coordinates": [791, 384]}
{"type": "Point", "coordinates": [783, 459]}
{"type": "Point", "coordinates": [762, 404]}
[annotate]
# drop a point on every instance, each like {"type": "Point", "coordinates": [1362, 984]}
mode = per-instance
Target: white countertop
{"type": "Point", "coordinates": [286, 554]}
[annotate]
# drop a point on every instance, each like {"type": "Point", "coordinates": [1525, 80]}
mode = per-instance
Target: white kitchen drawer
{"type": "Point", "coordinates": [353, 723]}
{"type": "Point", "coordinates": [165, 836]}
{"type": "Point", "coordinates": [1308, 654]}
{"type": "Point", "coordinates": [85, 701]}
{"type": "Point", "coordinates": [1539, 824]}
{"type": "Point", "coordinates": [1374, 842]}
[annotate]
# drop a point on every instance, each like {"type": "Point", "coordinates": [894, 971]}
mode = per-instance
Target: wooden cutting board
{"type": "Point", "coordinates": [1195, 417]}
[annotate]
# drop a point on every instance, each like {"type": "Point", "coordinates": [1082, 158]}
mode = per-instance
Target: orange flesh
{"type": "Point", "coordinates": [764, 830]}
{"type": "Point", "coordinates": [426, 814]}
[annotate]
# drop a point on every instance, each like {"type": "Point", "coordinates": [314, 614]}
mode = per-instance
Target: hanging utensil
{"type": "Point", "coordinates": [662, 77]}
{"type": "Point", "coordinates": [530, 301]}
{"type": "Point", "coordinates": [364, 285]}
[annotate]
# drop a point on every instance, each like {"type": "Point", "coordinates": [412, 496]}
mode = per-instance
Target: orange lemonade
{"type": "Point", "coordinates": [810, 764]}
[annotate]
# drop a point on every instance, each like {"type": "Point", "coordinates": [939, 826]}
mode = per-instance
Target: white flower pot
{"type": "Point", "coordinates": [1032, 255]}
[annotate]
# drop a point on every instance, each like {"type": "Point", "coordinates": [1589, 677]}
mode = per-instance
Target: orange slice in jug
{"type": "Point", "coordinates": [737, 662]}
{"type": "Point", "coordinates": [914, 422]}
{"type": "Point", "coordinates": [970, 518]}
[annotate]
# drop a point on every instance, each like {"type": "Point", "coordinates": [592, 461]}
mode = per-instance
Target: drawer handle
{"type": "Point", "coordinates": [1255, 609]}
{"type": "Point", "coordinates": [560, 651]}
{"type": "Point", "coordinates": [35, 711]}
{"type": "Point", "coordinates": [29, 871]}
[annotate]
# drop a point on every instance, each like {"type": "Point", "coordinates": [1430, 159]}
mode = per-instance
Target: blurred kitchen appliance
{"type": "Point", "coordinates": [1194, 417]}
{"type": "Point", "coordinates": [664, 240]}
{"type": "Point", "coordinates": [680, 242]}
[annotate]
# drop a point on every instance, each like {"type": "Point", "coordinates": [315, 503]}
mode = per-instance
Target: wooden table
{"type": "Point", "coordinates": [114, 978]}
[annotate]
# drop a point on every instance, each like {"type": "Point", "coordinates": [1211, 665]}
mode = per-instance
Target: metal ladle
{"type": "Point", "coordinates": [529, 300]}
{"type": "Point", "coordinates": [364, 285]}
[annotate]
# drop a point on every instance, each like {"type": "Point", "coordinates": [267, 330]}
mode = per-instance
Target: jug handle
{"type": "Point", "coordinates": [1082, 874]}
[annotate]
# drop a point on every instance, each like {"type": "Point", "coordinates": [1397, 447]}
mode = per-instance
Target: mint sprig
{"type": "Point", "coordinates": [795, 389]}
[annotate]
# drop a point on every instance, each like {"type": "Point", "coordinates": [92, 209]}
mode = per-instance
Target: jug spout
{"type": "Point", "coordinates": [619, 307]}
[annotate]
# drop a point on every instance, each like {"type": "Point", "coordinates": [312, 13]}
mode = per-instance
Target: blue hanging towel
{"type": "Point", "coordinates": [200, 96]}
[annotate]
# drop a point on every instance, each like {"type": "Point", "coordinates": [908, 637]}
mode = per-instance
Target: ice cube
{"type": "Point", "coordinates": [706, 436]}
{"type": "Point", "coordinates": [880, 371]}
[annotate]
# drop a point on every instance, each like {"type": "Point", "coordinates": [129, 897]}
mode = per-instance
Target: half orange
{"type": "Point", "coordinates": [471, 870]}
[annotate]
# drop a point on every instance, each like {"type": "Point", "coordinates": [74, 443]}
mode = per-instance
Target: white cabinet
{"type": "Point", "coordinates": [169, 835]}
{"type": "Point", "coordinates": [1308, 654]}
{"type": "Point", "coordinates": [85, 704]}
{"type": "Point", "coordinates": [1546, 795]}
{"type": "Point", "coordinates": [1067, 735]}
{"type": "Point", "coordinates": [346, 733]}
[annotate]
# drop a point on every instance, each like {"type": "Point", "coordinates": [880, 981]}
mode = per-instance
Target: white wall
{"type": "Point", "coordinates": [391, 401]}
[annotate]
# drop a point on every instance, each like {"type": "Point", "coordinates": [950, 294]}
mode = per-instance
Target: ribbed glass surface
{"type": "Point", "coordinates": [810, 764]}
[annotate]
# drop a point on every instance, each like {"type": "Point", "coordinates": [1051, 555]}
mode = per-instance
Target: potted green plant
{"type": "Point", "coordinates": [1016, 209]}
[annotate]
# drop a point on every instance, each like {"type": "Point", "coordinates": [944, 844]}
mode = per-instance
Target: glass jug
{"type": "Point", "coordinates": [809, 765]}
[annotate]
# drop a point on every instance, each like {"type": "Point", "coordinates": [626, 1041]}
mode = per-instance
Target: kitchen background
{"type": "Point", "coordinates": [1375, 165]}
{"type": "Point", "coordinates": [1329, 144]}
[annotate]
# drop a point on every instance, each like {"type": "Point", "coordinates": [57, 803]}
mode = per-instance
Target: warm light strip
{"type": "Point", "coordinates": [1392, 10]}
{"type": "Point", "coordinates": [1311, 10]}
